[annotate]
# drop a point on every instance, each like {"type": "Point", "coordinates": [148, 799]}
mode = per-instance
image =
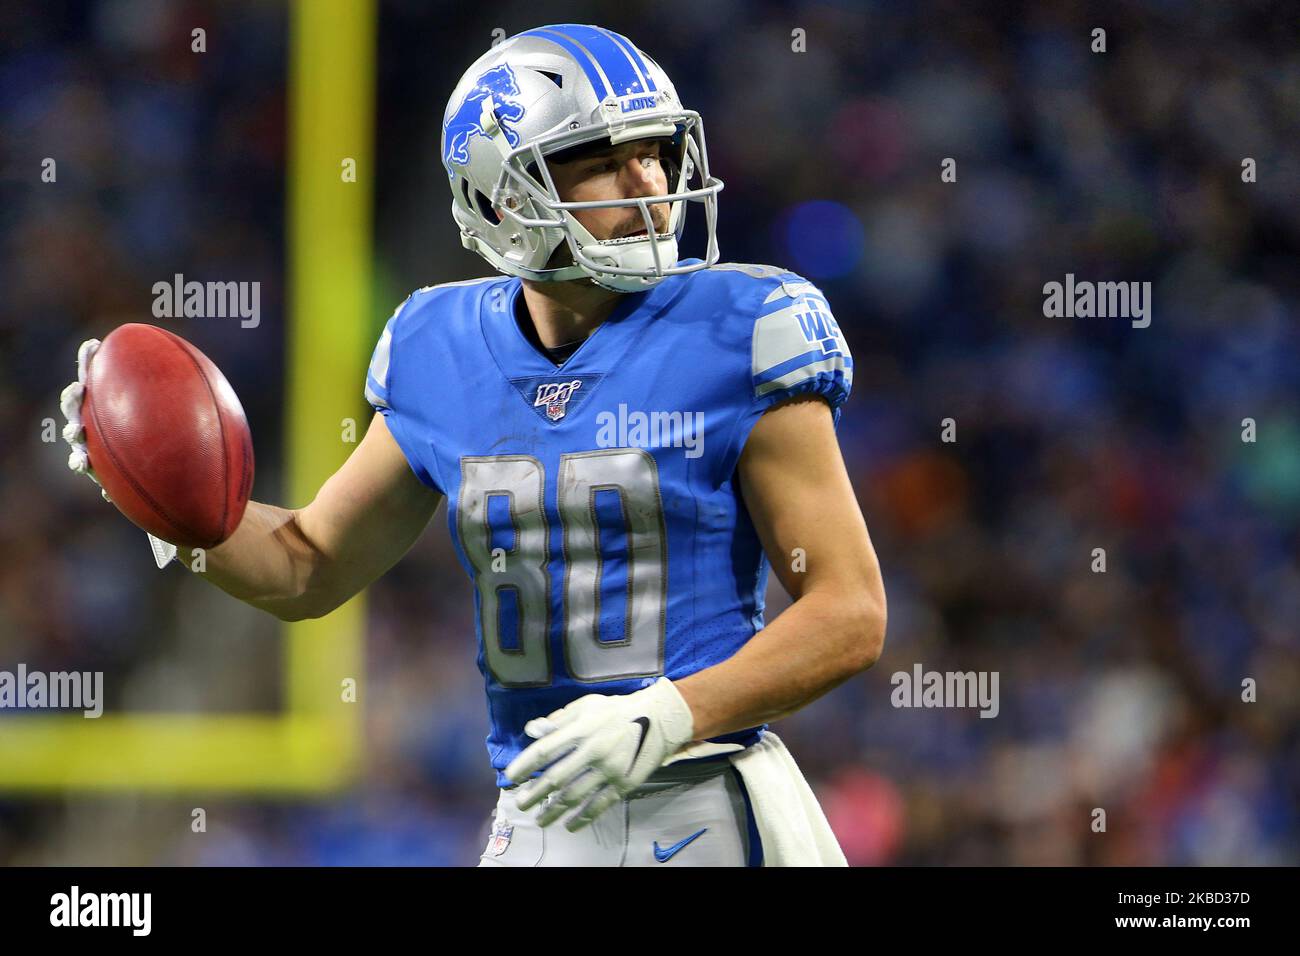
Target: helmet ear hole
{"type": "Point", "coordinates": [484, 207]}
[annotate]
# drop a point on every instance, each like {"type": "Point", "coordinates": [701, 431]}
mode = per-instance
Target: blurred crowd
{"type": "Point", "coordinates": [1120, 690]}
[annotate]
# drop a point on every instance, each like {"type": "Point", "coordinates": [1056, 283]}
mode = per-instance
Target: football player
{"type": "Point", "coordinates": [625, 439]}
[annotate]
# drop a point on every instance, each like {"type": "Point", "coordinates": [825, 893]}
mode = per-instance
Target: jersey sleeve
{"type": "Point", "coordinates": [796, 348]}
{"type": "Point", "coordinates": [385, 397]}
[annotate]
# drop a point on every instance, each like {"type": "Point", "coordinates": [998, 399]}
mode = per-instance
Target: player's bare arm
{"type": "Point", "coordinates": [799, 497]}
{"type": "Point", "coordinates": [305, 562]}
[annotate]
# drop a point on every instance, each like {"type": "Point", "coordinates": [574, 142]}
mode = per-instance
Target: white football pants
{"type": "Point", "coordinates": [690, 813]}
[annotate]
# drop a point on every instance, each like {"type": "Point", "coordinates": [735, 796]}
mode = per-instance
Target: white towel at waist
{"type": "Point", "coordinates": [790, 821]}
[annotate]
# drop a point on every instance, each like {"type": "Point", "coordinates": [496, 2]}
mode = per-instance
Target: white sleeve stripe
{"type": "Point", "coordinates": [373, 397]}
{"type": "Point", "coordinates": [792, 289]}
{"type": "Point", "coordinates": [754, 270]}
{"type": "Point", "coordinates": [379, 364]}
{"type": "Point", "coordinates": [806, 372]}
{"type": "Point", "coordinates": [790, 332]}
{"type": "Point", "coordinates": [462, 282]}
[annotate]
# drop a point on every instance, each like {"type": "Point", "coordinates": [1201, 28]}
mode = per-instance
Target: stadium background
{"type": "Point", "coordinates": [1118, 690]}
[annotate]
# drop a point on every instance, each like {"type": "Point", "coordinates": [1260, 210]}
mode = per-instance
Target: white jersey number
{"type": "Point", "coordinates": [525, 567]}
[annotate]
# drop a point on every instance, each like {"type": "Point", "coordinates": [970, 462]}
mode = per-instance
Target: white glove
{"type": "Point", "coordinates": [617, 742]}
{"type": "Point", "coordinates": [74, 433]}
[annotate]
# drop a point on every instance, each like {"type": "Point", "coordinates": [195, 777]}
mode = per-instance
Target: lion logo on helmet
{"type": "Point", "coordinates": [499, 82]}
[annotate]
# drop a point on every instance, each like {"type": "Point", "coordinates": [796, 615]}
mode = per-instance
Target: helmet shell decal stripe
{"type": "Point", "coordinates": [607, 63]}
{"type": "Point", "coordinates": [618, 66]}
{"type": "Point", "coordinates": [583, 58]}
{"type": "Point", "coordinates": [634, 56]}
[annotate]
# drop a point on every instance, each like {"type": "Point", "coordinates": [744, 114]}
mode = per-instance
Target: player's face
{"type": "Point", "coordinates": [626, 171]}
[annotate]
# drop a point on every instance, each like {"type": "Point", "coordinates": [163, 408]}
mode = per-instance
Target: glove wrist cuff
{"type": "Point", "coordinates": [679, 721]}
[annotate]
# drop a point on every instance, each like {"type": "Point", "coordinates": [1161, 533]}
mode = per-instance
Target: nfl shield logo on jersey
{"type": "Point", "coordinates": [555, 395]}
{"type": "Point", "coordinates": [500, 838]}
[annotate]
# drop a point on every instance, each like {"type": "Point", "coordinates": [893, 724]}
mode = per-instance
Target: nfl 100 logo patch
{"type": "Point", "coordinates": [500, 838]}
{"type": "Point", "coordinates": [555, 395]}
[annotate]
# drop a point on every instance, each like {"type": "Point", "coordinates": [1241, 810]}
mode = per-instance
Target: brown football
{"type": "Point", "coordinates": [167, 436]}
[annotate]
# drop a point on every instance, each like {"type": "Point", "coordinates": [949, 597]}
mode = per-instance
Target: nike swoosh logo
{"type": "Point", "coordinates": [663, 856]}
{"type": "Point", "coordinates": [645, 729]}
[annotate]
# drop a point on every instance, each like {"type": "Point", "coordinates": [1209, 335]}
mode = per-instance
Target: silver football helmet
{"type": "Point", "coordinates": [547, 90]}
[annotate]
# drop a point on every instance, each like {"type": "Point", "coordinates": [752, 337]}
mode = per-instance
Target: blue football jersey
{"type": "Point", "coordinates": [595, 505]}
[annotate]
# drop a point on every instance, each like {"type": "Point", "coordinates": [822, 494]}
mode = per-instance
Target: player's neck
{"type": "Point", "coordinates": [566, 311]}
